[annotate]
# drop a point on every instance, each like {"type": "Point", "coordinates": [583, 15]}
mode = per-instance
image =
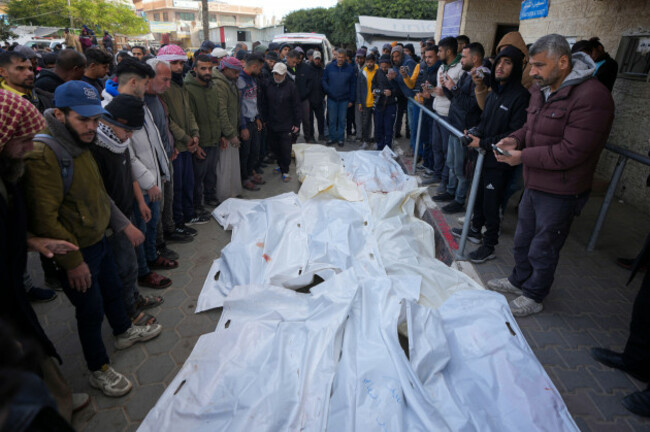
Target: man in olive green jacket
{"type": "Point", "coordinates": [183, 127]}
{"type": "Point", "coordinates": [205, 107]}
{"type": "Point", "coordinates": [66, 200]}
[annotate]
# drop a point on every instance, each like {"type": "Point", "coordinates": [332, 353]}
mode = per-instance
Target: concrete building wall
{"type": "Point", "coordinates": [610, 20]}
{"type": "Point", "coordinates": [480, 19]}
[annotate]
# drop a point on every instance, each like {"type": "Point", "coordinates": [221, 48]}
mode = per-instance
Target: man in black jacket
{"type": "Point", "coordinates": [464, 113]}
{"type": "Point", "coordinates": [70, 65]}
{"type": "Point", "coordinates": [302, 77]}
{"type": "Point", "coordinates": [317, 96]}
{"type": "Point", "coordinates": [426, 81]}
{"type": "Point", "coordinates": [504, 113]}
{"type": "Point", "coordinates": [282, 114]}
{"type": "Point", "coordinates": [606, 67]}
{"type": "Point", "coordinates": [385, 88]}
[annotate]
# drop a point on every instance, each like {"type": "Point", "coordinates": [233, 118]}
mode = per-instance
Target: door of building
{"type": "Point", "coordinates": [502, 30]}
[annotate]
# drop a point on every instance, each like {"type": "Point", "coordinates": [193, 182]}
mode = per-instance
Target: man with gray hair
{"type": "Point", "coordinates": [569, 119]}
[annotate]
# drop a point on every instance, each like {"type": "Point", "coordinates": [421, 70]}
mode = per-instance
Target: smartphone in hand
{"type": "Point", "coordinates": [500, 151]}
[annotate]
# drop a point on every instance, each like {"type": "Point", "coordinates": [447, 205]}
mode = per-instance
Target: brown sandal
{"type": "Point", "coordinates": [162, 263]}
{"type": "Point", "coordinates": [142, 319]}
{"type": "Point", "coordinates": [154, 280]}
{"type": "Point", "coordinates": [146, 302]}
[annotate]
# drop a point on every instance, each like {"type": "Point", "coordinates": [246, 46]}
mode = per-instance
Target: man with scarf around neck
{"type": "Point", "coordinates": [185, 130]}
{"type": "Point", "coordinates": [504, 113]}
{"type": "Point", "coordinates": [113, 158]}
{"type": "Point", "coordinates": [132, 79]}
{"type": "Point", "coordinates": [82, 216]}
{"type": "Point", "coordinates": [569, 119]}
{"type": "Point", "coordinates": [450, 69]}
{"type": "Point", "coordinates": [21, 121]}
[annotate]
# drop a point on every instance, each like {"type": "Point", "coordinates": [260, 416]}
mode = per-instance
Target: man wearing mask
{"type": "Point", "coordinates": [365, 98]}
{"type": "Point", "coordinates": [569, 119]}
{"type": "Point", "coordinates": [281, 113]}
{"type": "Point", "coordinates": [204, 106]}
{"type": "Point", "coordinates": [339, 84]}
{"type": "Point", "coordinates": [183, 127]}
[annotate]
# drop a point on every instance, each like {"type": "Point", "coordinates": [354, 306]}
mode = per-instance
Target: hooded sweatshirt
{"type": "Point", "coordinates": [505, 108]}
{"type": "Point", "coordinates": [249, 89]}
{"type": "Point", "coordinates": [566, 131]}
{"type": "Point", "coordinates": [514, 39]}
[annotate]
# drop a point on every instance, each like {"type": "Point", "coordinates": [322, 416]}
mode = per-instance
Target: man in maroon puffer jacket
{"type": "Point", "coordinates": [569, 118]}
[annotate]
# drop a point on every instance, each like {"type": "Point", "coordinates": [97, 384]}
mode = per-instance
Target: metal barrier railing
{"type": "Point", "coordinates": [460, 254]}
{"type": "Point", "coordinates": [624, 155]}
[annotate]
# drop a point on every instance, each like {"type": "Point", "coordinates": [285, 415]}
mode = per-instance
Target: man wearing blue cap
{"type": "Point", "coordinates": [67, 201]}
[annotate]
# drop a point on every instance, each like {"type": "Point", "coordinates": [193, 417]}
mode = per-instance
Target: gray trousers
{"type": "Point", "coordinates": [166, 222]}
{"type": "Point", "coordinates": [366, 124]}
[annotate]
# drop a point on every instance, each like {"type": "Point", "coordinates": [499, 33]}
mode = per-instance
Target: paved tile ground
{"type": "Point", "coordinates": [588, 306]}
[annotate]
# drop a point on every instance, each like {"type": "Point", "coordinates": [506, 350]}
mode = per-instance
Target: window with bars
{"type": "Point", "coordinates": [186, 16]}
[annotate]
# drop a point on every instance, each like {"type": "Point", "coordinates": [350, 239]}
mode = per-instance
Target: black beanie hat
{"type": "Point", "coordinates": [125, 111]}
{"type": "Point", "coordinates": [385, 58]}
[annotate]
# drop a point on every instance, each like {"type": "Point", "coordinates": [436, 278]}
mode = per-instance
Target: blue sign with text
{"type": "Point", "coordinates": [451, 19]}
{"type": "Point", "coordinates": [533, 9]}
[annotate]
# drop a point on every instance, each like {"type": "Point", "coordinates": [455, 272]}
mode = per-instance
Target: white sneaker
{"type": "Point", "coordinates": [137, 334]}
{"type": "Point", "coordinates": [523, 306]}
{"type": "Point", "coordinates": [110, 382]}
{"type": "Point", "coordinates": [503, 285]}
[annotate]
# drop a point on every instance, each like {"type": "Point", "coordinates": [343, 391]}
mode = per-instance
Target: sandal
{"type": "Point", "coordinates": [162, 263]}
{"type": "Point", "coordinates": [257, 179]}
{"type": "Point", "coordinates": [143, 319]}
{"type": "Point", "coordinates": [154, 280]}
{"type": "Point", "coordinates": [250, 186]}
{"type": "Point", "coordinates": [146, 302]}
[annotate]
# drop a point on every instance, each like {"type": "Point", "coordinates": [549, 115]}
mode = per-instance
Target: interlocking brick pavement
{"type": "Point", "coordinates": [589, 305]}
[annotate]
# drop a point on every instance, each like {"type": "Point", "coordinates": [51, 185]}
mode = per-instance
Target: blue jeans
{"type": "Point", "coordinates": [457, 184]}
{"type": "Point", "coordinates": [440, 143]}
{"type": "Point", "coordinates": [384, 124]}
{"type": "Point", "coordinates": [127, 267]}
{"type": "Point", "coordinates": [183, 188]}
{"type": "Point", "coordinates": [338, 111]}
{"type": "Point", "coordinates": [103, 297]}
{"type": "Point", "coordinates": [147, 250]}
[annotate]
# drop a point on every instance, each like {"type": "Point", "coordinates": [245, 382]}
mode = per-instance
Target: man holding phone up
{"type": "Point", "coordinates": [569, 119]}
{"type": "Point", "coordinates": [504, 113]}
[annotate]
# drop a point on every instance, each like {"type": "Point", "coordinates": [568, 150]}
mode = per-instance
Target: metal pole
{"type": "Point", "coordinates": [620, 166]}
{"type": "Point", "coordinates": [470, 205]}
{"type": "Point", "coordinates": [70, 15]}
{"type": "Point", "coordinates": [417, 142]}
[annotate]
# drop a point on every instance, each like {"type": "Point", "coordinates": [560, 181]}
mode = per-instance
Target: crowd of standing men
{"type": "Point", "coordinates": [106, 158]}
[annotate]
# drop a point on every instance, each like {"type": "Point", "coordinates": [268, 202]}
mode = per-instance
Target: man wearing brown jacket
{"type": "Point", "coordinates": [569, 119]}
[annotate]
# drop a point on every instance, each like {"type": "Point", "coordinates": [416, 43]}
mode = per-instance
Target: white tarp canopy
{"type": "Point", "coordinates": [330, 359]}
{"type": "Point", "coordinates": [370, 26]}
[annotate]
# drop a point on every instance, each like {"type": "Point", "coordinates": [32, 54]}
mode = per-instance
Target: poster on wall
{"type": "Point", "coordinates": [533, 9]}
{"type": "Point", "coordinates": [451, 19]}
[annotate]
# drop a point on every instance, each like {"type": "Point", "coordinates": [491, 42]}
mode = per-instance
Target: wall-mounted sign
{"type": "Point", "coordinates": [451, 19]}
{"type": "Point", "coordinates": [161, 27]}
{"type": "Point", "coordinates": [186, 4]}
{"type": "Point", "coordinates": [533, 9]}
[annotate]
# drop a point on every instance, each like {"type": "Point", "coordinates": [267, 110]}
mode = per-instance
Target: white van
{"type": "Point", "coordinates": [307, 41]}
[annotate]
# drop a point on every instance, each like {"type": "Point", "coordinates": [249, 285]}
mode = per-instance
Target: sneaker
{"type": "Point", "coordinates": [286, 178]}
{"type": "Point", "coordinates": [523, 306]}
{"type": "Point", "coordinates": [482, 254]}
{"type": "Point", "coordinates": [79, 401]}
{"type": "Point", "coordinates": [443, 197]}
{"type": "Point", "coordinates": [330, 142]}
{"type": "Point", "coordinates": [200, 211]}
{"type": "Point", "coordinates": [419, 167]}
{"type": "Point", "coordinates": [185, 230]}
{"type": "Point", "coordinates": [137, 334]}
{"type": "Point", "coordinates": [41, 295]}
{"type": "Point", "coordinates": [428, 172]}
{"type": "Point", "coordinates": [178, 236]}
{"type": "Point", "coordinates": [453, 207]}
{"type": "Point", "coordinates": [503, 285]}
{"type": "Point", "coordinates": [364, 145]}
{"type": "Point", "coordinates": [198, 220]}
{"type": "Point", "coordinates": [110, 382]}
{"type": "Point", "coordinates": [473, 236]}
{"type": "Point", "coordinates": [165, 252]}
{"type": "Point", "coordinates": [341, 143]}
